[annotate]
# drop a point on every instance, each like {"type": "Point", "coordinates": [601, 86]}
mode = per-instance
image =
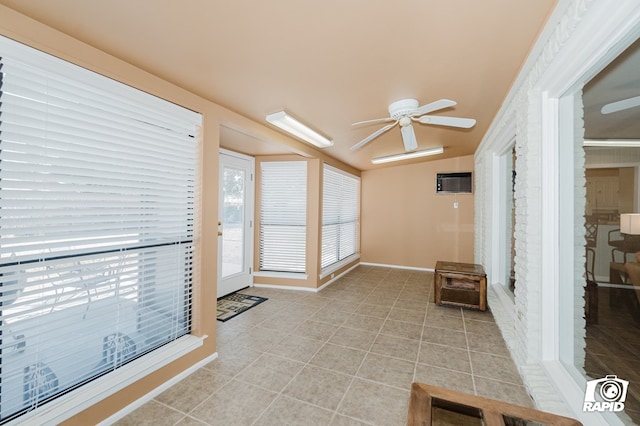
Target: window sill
{"type": "Point", "coordinates": [84, 397]}
{"type": "Point", "coordinates": [340, 264]}
{"type": "Point", "coordinates": [288, 275]}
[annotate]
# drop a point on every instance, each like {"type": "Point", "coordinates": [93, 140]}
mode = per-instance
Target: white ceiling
{"type": "Point", "coordinates": [330, 63]}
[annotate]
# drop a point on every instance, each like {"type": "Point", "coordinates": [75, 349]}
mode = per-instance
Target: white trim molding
{"type": "Point", "coordinates": [384, 265]}
{"type": "Point", "coordinates": [543, 326]}
{"type": "Point", "coordinates": [286, 287]}
{"type": "Point", "coordinates": [283, 275]}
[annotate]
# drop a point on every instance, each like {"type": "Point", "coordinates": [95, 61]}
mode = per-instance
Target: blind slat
{"type": "Point", "coordinates": [98, 185]}
{"type": "Point", "coordinates": [283, 216]}
{"type": "Point", "coordinates": [340, 215]}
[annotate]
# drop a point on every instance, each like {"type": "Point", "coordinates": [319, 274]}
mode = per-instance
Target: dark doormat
{"type": "Point", "coordinates": [234, 304]}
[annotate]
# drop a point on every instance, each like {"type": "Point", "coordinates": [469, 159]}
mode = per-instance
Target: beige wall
{"type": "Point", "coordinates": [404, 222]}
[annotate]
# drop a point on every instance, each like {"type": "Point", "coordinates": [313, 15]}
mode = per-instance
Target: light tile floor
{"type": "Point", "coordinates": [344, 356]}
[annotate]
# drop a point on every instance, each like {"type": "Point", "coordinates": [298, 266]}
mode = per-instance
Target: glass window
{"type": "Point", "coordinates": [340, 215]}
{"type": "Point", "coordinates": [97, 184]}
{"type": "Point", "coordinates": [283, 216]}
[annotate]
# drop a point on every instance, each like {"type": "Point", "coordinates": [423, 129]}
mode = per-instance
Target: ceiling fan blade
{"type": "Point", "coordinates": [433, 106]}
{"type": "Point", "coordinates": [375, 120]}
{"type": "Point", "coordinates": [447, 121]}
{"type": "Point", "coordinates": [409, 138]}
{"type": "Point", "coordinates": [373, 135]}
{"type": "Point", "coordinates": [621, 105]}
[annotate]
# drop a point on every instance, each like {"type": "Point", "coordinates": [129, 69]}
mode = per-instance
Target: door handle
{"type": "Point", "coordinates": [219, 233]}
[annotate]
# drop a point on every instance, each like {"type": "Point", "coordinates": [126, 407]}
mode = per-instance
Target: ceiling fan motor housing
{"type": "Point", "coordinates": [402, 108]}
{"type": "Point", "coordinates": [405, 111]}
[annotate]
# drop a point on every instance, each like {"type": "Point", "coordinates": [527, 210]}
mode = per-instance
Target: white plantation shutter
{"type": "Point", "coordinates": [283, 216]}
{"type": "Point", "coordinates": [340, 215]}
{"type": "Point", "coordinates": [97, 187]}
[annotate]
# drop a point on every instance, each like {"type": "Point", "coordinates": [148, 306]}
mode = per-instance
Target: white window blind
{"type": "Point", "coordinates": [340, 215]}
{"type": "Point", "coordinates": [283, 216]}
{"type": "Point", "coordinates": [97, 210]}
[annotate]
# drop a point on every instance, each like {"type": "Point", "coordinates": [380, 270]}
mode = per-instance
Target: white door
{"type": "Point", "coordinates": [235, 228]}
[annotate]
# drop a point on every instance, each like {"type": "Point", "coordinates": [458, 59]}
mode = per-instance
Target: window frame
{"type": "Point", "coordinates": [344, 178]}
{"type": "Point", "coordinates": [292, 220]}
{"type": "Point", "coordinates": [82, 397]}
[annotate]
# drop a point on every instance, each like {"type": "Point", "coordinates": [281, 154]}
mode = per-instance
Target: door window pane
{"type": "Point", "coordinates": [233, 221]}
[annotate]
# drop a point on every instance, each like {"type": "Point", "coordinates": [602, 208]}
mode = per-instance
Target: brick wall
{"type": "Point", "coordinates": [520, 321]}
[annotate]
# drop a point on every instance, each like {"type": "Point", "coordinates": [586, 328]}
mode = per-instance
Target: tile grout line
{"type": "Point", "coordinates": [424, 324]}
{"type": "Point", "coordinates": [306, 364]}
{"type": "Point", "coordinates": [262, 353]}
{"type": "Point", "coordinates": [368, 352]}
{"type": "Point", "coordinates": [466, 339]}
{"type": "Point", "coordinates": [231, 378]}
{"type": "Point", "coordinates": [366, 286]}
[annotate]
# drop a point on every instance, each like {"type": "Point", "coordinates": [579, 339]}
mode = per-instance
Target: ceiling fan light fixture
{"type": "Point", "coordinates": [612, 143]}
{"type": "Point", "coordinates": [406, 111]}
{"type": "Point", "coordinates": [294, 127]}
{"type": "Point", "coordinates": [408, 155]}
{"type": "Point", "coordinates": [403, 107]}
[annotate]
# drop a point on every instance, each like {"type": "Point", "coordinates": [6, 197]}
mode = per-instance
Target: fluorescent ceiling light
{"type": "Point", "coordinates": [408, 155]}
{"type": "Point", "coordinates": [291, 125]}
{"type": "Point", "coordinates": [612, 143]}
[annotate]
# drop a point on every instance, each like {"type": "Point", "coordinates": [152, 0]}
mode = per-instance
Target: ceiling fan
{"type": "Point", "coordinates": [406, 111]}
{"type": "Point", "coordinates": [621, 105]}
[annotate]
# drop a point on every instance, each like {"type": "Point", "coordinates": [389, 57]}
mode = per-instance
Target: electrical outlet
{"type": "Point", "coordinates": [455, 205]}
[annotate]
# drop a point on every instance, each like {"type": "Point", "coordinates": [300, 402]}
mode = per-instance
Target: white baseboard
{"type": "Point", "coordinates": [315, 290]}
{"type": "Point", "coordinates": [384, 265]}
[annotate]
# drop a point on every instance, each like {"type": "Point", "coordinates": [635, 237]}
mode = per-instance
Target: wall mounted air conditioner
{"type": "Point", "coordinates": [454, 183]}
